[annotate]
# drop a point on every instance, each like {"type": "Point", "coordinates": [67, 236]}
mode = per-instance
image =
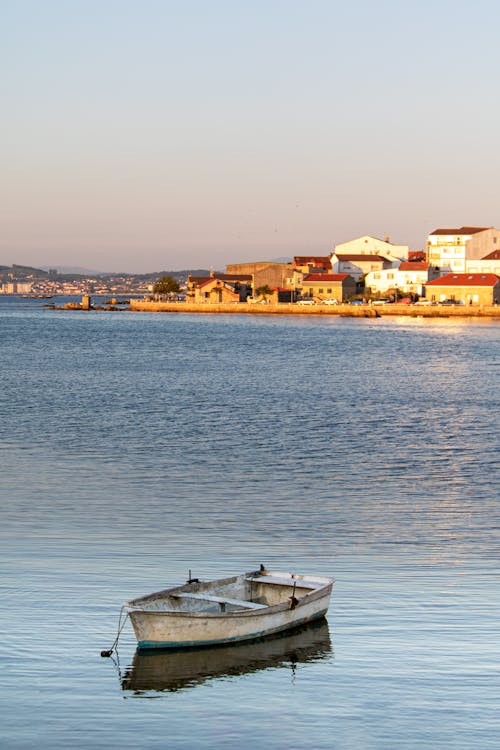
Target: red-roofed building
{"type": "Point", "coordinates": [312, 263]}
{"type": "Point", "coordinates": [218, 288]}
{"type": "Point", "coordinates": [468, 288]}
{"type": "Point", "coordinates": [495, 255]}
{"type": "Point", "coordinates": [321, 286]}
{"type": "Point", "coordinates": [410, 278]}
{"type": "Point", "coordinates": [368, 245]}
{"type": "Point", "coordinates": [359, 264]}
{"type": "Point", "coordinates": [450, 249]}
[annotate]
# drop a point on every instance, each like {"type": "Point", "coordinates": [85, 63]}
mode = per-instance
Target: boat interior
{"type": "Point", "coordinates": [251, 591]}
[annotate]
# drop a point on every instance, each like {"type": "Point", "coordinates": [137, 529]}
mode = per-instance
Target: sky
{"type": "Point", "coordinates": [139, 135]}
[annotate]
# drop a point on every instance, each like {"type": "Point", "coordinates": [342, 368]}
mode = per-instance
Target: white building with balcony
{"type": "Point", "coordinates": [448, 249]}
{"type": "Point", "coordinates": [409, 278]}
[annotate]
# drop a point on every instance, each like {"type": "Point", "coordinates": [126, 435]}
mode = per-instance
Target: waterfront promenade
{"type": "Point", "coordinates": [353, 311]}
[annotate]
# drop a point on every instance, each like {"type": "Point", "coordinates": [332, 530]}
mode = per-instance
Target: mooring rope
{"type": "Point", "coordinates": [121, 625]}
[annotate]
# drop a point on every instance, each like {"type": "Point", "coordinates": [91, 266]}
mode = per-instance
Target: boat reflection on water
{"type": "Point", "coordinates": [176, 670]}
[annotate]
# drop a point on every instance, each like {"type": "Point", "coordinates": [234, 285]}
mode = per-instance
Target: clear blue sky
{"type": "Point", "coordinates": [150, 134]}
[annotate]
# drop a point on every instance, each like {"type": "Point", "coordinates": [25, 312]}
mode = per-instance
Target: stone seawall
{"type": "Point", "coordinates": [353, 311]}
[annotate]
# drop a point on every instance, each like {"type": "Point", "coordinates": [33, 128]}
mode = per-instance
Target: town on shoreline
{"type": "Point", "coordinates": [460, 267]}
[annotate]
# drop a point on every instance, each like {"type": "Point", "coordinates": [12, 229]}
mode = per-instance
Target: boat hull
{"type": "Point", "coordinates": [172, 619]}
{"type": "Point", "coordinates": [169, 630]}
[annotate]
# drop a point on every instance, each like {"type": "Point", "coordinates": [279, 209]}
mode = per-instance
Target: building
{"type": "Point", "coordinates": [16, 287]}
{"type": "Point", "coordinates": [368, 245]}
{"type": "Point", "coordinates": [264, 273]}
{"type": "Point", "coordinates": [307, 264]}
{"type": "Point", "coordinates": [218, 288]}
{"type": "Point", "coordinates": [447, 249]}
{"type": "Point", "coordinates": [320, 286]}
{"type": "Point", "coordinates": [358, 266]}
{"type": "Point", "coordinates": [410, 278]}
{"type": "Point", "coordinates": [482, 243]}
{"type": "Point", "coordinates": [489, 264]}
{"type": "Point", "coordinates": [467, 288]}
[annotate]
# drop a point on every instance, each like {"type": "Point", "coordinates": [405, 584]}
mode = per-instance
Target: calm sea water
{"type": "Point", "coordinates": [135, 447]}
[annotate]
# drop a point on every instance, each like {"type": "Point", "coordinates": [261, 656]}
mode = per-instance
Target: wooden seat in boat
{"type": "Point", "coordinates": [219, 600]}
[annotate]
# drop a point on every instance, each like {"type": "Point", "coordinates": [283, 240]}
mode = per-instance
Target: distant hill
{"type": "Point", "coordinates": [19, 270]}
{"type": "Point", "coordinates": [66, 273]}
{"type": "Point", "coordinates": [65, 270]}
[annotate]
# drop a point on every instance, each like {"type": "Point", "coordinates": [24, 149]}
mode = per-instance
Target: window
{"type": "Point", "coordinates": [320, 291]}
{"type": "Point", "coordinates": [328, 291]}
{"type": "Point", "coordinates": [376, 276]}
{"type": "Point", "coordinates": [390, 275]}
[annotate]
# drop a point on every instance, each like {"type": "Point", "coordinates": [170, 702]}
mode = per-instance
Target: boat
{"type": "Point", "coordinates": [169, 670]}
{"type": "Point", "coordinates": [240, 608]}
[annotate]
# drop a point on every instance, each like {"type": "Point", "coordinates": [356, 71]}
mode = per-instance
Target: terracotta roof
{"type": "Point", "coordinates": [466, 279]}
{"type": "Point", "coordinates": [326, 277]}
{"type": "Point", "coordinates": [415, 265]}
{"type": "Point", "coordinates": [348, 256]}
{"type": "Point", "coordinates": [416, 254]}
{"type": "Point", "coordinates": [495, 255]}
{"type": "Point", "coordinates": [205, 281]}
{"type": "Point", "coordinates": [303, 260]}
{"type": "Point", "coordinates": [461, 230]}
{"type": "Point", "coordinates": [200, 280]}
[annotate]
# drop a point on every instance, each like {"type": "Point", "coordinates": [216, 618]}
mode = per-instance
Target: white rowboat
{"type": "Point", "coordinates": [240, 608]}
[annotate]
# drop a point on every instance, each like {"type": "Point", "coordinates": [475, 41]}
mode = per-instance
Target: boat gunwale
{"type": "Point", "coordinates": [324, 589]}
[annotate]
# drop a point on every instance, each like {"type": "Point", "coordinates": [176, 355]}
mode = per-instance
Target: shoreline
{"type": "Point", "coordinates": [344, 310]}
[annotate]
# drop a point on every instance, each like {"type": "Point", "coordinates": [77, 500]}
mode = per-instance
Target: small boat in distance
{"type": "Point", "coordinates": [228, 610]}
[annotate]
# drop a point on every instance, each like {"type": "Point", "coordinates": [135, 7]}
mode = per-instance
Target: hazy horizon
{"type": "Point", "coordinates": [177, 135]}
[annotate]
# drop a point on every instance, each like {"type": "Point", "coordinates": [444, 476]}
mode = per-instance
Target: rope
{"type": "Point", "coordinates": [121, 625]}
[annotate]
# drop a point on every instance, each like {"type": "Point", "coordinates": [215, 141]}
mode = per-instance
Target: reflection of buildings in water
{"type": "Point", "coordinates": [175, 670]}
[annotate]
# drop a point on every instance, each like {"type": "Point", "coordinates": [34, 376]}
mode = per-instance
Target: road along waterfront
{"type": "Point", "coordinates": [344, 310]}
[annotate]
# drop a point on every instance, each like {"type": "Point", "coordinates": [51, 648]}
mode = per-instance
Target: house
{"type": "Point", "coordinates": [264, 273]}
{"type": "Point", "coordinates": [468, 288]}
{"type": "Point", "coordinates": [339, 286]}
{"type": "Point", "coordinates": [447, 249]}
{"type": "Point", "coordinates": [218, 288]}
{"type": "Point", "coordinates": [482, 243]}
{"type": "Point", "coordinates": [415, 255]}
{"type": "Point", "coordinates": [358, 266]}
{"type": "Point", "coordinates": [312, 264]}
{"type": "Point", "coordinates": [489, 264]}
{"type": "Point", "coordinates": [409, 278]}
{"type": "Point", "coordinates": [368, 245]}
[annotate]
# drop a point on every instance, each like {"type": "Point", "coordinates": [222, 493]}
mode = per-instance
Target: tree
{"type": "Point", "coordinates": [263, 291]}
{"type": "Point", "coordinates": [166, 285]}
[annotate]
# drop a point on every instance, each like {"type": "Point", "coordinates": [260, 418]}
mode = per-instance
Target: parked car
{"type": "Point", "coordinates": [451, 302]}
{"type": "Point", "coordinates": [380, 302]}
{"type": "Point", "coordinates": [306, 301]}
{"type": "Point", "coordinates": [330, 302]}
{"type": "Point", "coordinates": [356, 302]}
{"type": "Point", "coordinates": [425, 302]}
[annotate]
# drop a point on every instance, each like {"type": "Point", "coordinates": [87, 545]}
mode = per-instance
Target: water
{"type": "Point", "coordinates": [136, 447]}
